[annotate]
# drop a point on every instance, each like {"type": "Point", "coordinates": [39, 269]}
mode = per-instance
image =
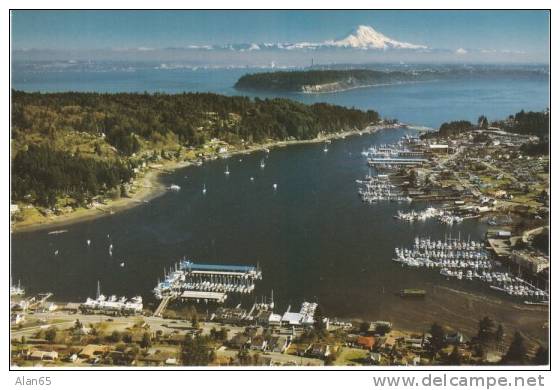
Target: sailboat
{"type": "Point", "coordinates": [227, 170]}
{"type": "Point", "coordinates": [262, 164]}
{"type": "Point", "coordinates": [326, 149]}
{"type": "Point", "coordinates": [204, 189]}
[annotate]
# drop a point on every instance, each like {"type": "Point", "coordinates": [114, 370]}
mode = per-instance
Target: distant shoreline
{"type": "Point", "coordinates": [151, 187]}
{"type": "Point", "coordinates": [364, 86]}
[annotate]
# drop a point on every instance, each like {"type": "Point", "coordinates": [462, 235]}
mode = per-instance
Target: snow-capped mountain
{"type": "Point", "coordinates": [365, 37]}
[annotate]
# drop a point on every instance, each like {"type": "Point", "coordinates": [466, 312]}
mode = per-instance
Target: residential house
{"type": "Point", "coordinates": [365, 342]}
{"type": "Point", "coordinates": [319, 350]}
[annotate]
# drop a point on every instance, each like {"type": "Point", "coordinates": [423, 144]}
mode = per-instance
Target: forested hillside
{"type": "Point", "coordinates": [298, 81]}
{"type": "Point", "coordinates": [81, 144]}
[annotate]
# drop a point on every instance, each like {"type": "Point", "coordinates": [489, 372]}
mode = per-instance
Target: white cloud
{"type": "Point", "coordinates": [507, 51]}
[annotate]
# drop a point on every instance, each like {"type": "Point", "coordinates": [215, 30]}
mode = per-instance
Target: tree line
{"type": "Point", "coordinates": [41, 175]}
{"type": "Point", "coordinates": [293, 81]}
{"type": "Point", "coordinates": [535, 123]}
{"type": "Point", "coordinates": [124, 118]}
{"type": "Point", "coordinates": [44, 168]}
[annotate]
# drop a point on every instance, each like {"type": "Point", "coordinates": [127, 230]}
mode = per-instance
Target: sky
{"type": "Point", "coordinates": [503, 31]}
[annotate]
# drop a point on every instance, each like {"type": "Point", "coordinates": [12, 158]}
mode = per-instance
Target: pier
{"type": "Point", "coordinates": [162, 306]}
{"type": "Point", "coordinates": [209, 282]}
{"type": "Point", "coordinates": [204, 295]}
{"type": "Point", "coordinates": [384, 162]}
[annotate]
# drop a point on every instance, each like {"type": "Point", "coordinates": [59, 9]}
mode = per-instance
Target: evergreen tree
{"type": "Point", "coordinates": [486, 330]}
{"type": "Point", "coordinates": [146, 341]}
{"type": "Point", "coordinates": [500, 333]}
{"type": "Point", "coordinates": [436, 340]}
{"type": "Point", "coordinates": [454, 358]}
{"type": "Point", "coordinates": [195, 351]}
{"type": "Point", "coordinates": [541, 357]}
{"type": "Point", "coordinates": [319, 324]}
{"type": "Point", "coordinates": [517, 353]}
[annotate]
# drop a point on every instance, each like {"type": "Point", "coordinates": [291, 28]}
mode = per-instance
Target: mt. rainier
{"type": "Point", "coordinates": [365, 37]}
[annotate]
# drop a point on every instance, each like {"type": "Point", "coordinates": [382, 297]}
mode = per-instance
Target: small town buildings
{"type": "Point", "coordinates": [43, 355]}
{"type": "Point", "coordinates": [530, 260]}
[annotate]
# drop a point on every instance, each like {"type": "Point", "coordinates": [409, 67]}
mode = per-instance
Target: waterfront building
{"type": "Point", "coordinates": [533, 261]}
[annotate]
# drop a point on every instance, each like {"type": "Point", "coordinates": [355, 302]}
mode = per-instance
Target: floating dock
{"type": "Point", "coordinates": [218, 297]}
{"type": "Point", "coordinates": [209, 282]}
{"type": "Point", "coordinates": [382, 162]}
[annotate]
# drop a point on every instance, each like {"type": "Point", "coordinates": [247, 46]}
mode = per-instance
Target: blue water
{"type": "Point", "coordinates": [313, 238]}
{"type": "Point", "coordinates": [426, 104]}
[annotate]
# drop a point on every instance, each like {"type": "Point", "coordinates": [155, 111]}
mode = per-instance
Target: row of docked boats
{"type": "Point", "coordinates": [465, 260]}
{"type": "Point", "coordinates": [113, 304]}
{"type": "Point", "coordinates": [378, 188]}
{"type": "Point", "coordinates": [189, 276]}
{"type": "Point", "coordinates": [444, 216]}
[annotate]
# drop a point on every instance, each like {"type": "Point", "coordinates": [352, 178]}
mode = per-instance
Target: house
{"type": "Point", "coordinates": [275, 319]}
{"type": "Point", "coordinates": [93, 350]}
{"type": "Point", "coordinates": [43, 355]}
{"type": "Point", "coordinates": [18, 318]}
{"type": "Point", "coordinates": [365, 342]}
{"type": "Point", "coordinates": [380, 327]}
{"type": "Point", "coordinates": [278, 343]}
{"type": "Point", "coordinates": [414, 342]}
{"type": "Point", "coordinates": [156, 359]}
{"type": "Point", "coordinates": [456, 338]}
{"type": "Point", "coordinates": [375, 358]}
{"type": "Point", "coordinates": [14, 208]}
{"type": "Point", "coordinates": [439, 148]}
{"type": "Point", "coordinates": [319, 350]}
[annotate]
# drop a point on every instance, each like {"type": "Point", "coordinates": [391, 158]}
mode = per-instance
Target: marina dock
{"type": "Point", "coordinates": [390, 162]}
{"type": "Point", "coordinates": [208, 282]}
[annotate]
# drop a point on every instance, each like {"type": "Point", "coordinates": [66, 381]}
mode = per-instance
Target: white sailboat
{"type": "Point", "coordinates": [204, 189]}
{"type": "Point", "coordinates": [262, 164]}
{"type": "Point", "coordinates": [227, 170]}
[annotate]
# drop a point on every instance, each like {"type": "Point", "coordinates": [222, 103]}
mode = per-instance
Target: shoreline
{"type": "Point", "coordinates": [149, 186]}
{"type": "Point", "coordinates": [364, 86]}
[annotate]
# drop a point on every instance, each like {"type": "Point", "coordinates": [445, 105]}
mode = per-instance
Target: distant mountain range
{"type": "Point", "coordinates": [364, 43]}
{"type": "Point", "coordinates": [363, 37]}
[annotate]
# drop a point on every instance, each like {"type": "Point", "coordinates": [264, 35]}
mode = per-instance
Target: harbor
{"type": "Point", "coordinates": [240, 221]}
